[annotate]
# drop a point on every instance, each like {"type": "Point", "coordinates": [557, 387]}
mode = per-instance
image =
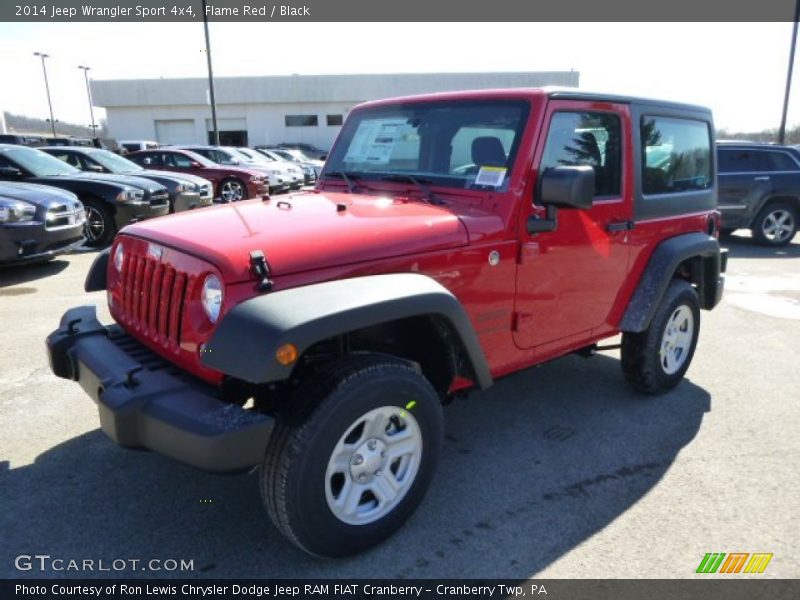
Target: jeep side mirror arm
{"type": "Point", "coordinates": [548, 223]}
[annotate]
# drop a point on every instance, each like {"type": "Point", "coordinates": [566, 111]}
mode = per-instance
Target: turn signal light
{"type": "Point", "coordinates": [286, 354]}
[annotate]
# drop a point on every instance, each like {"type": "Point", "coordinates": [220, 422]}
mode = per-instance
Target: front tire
{"type": "Point", "coordinates": [232, 190]}
{"type": "Point", "coordinates": [775, 224]}
{"type": "Point", "coordinates": [655, 360]}
{"type": "Point", "coordinates": [100, 227]}
{"type": "Point", "coordinates": [346, 471]}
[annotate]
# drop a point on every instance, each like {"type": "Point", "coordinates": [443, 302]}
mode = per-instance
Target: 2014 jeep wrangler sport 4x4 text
{"type": "Point", "coordinates": [452, 239]}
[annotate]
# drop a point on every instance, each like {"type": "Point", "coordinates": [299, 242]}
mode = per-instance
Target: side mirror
{"type": "Point", "coordinates": [11, 172]}
{"type": "Point", "coordinates": [323, 157]}
{"type": "Point", "coordinates": [96, 169]}
{"type": "Point", "coordinates": [562, 187]}
{"type": "Point", "coordinates": [567, 187]}
{"type": "Point", "coordinates": [196, 165]}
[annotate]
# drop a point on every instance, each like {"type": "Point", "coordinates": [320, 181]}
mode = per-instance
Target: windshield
{"type": "Point", "coordinates": [114, 162]}
{"type": "Point", "coordinates": [38, 163]}
{"type": "Point", "coordinates": [456, 144]}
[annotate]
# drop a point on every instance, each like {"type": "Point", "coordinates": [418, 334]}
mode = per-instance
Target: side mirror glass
{"type": "Point", "coordinates": [567, 187]}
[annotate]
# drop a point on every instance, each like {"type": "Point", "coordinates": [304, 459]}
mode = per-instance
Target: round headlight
{"type": "Point", "coordinates": [212, 297]}
{"type": "Point", "coordinates": [119, 255]}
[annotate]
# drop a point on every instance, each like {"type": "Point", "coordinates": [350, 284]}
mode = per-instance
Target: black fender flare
{"type": "Point", "coordinates": [246, 339]}
{"type": "Point", "coordinates": [660, 269]}
{"type": "Point", "coordinates": [96, 277]}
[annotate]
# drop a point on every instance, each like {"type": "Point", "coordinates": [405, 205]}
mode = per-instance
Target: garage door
{"type": "Point", "coordinates": [175, 131]}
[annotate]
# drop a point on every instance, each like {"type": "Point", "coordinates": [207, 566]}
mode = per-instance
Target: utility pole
{"type": "Point", "coordinates": [211, 79]}
{"type": "Point", "coordinates": [89, 95]}
{"type": "Point", "coordinates": [782, 130]}
{"type": "Point", "coordinates": [47, 89]}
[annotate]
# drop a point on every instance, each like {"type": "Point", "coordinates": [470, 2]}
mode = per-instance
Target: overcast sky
{"type": "Point", "coordinates": [738, 69]}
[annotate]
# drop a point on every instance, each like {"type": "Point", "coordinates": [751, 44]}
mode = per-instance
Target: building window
{"type": "Point", "coordinates": [301, 120]}
{"type": "Point", "coordinates": [335, 120]}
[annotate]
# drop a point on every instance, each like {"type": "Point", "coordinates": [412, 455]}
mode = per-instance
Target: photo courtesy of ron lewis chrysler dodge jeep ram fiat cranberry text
{"type": "Point", "coordinates": [452, 239]}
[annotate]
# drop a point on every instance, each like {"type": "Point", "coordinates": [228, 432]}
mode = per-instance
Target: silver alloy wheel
{"type": "Point", "coordinates": [676, 341]}
{"type": "Point", "coordinates": [232, 191]}
{"type": "Point", "coordinates": [778, 225]}
{"type": "Point", "coordinates": [95, 226]}
{"type": "Point", "coordinates": [373, 465]}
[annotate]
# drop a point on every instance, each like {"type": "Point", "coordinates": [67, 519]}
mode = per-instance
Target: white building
{"type": "Point", "coordinates": [270, 110]}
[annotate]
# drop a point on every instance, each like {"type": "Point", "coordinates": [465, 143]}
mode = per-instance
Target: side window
{"type": "Point", "coordinates": [738, 161]}
{"type": "Point", "coordinates": [177, 160]}
{"type": "Point", "coordinates": [587, 138]}
{"type": "Point", "coordinates": [676, 155]}
{"type": "Point", "coordinates": [778, 161]}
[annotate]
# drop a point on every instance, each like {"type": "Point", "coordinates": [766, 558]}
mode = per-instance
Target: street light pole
{"type": "Point", "coordinates": [47, 89]}
{"type": "Point", "coordinates": [89, 95]}
{"type": "Point", "coordinates": [210, 79]}
{"type": "Point", "coordinates": [782, 130]}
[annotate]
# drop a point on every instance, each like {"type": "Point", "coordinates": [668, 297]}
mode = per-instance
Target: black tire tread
{"type": "Point", "coordinates": [640, 348]}
{"type": "Point", "coordinates": [289, 439]}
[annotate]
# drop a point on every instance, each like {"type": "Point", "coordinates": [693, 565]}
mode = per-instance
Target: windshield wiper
{"type": "Point", "coordinates": [426, 192]}
{"type": "Point", "coordinates": [348, 177]}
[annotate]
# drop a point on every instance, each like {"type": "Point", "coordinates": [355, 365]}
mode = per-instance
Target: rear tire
{"type": "Point", "coordinates": [349, 464]}
{"type": "Point", "coordinates": [775, 224]}
{"type": "Point", "coordinates": [655, 360]}
{"type": "Point", "coordinates": [100, 227]}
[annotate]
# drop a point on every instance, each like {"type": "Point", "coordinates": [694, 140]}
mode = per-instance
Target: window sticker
{"type": "Point", "coordinates": [491, 176]}
{"type": "Point", "coordinates": [374, 141]}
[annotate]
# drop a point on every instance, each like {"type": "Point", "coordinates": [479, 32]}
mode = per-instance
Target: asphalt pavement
{"type": "Point", "coordinates": [559, 471]}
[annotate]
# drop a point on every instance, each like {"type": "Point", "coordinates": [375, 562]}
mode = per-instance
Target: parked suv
{"type": "Point", "coordinates": [453, 239]}
{"type": "Point", "coordinates": [231, 183]}
{"type": "Point", "coordinates": [111, 201]}
{"type": "Point", "coordinates": [759, 190]}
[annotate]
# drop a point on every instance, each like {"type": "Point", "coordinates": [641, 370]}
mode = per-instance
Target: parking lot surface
{"type": "Point", "coordinates": [559, 471]}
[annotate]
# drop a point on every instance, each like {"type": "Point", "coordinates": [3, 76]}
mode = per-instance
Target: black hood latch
{"type": "Point", "coordinates": [260, 268]}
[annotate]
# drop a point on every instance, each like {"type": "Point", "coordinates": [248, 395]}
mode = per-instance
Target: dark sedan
{"type": "Point", "coordinates": [111, 201]}
{"type": "Point", "coordinates": [37, 222]}
{"type": "Point", "coordinates": [186, 191]}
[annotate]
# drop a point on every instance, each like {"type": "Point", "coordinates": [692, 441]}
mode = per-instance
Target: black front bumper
{"type": "Point", "coordinates": [126, 213]}
{"type": "Point", "coordinates": [28, 241]}
{"type": "Point", "coordinates": [145, 402]}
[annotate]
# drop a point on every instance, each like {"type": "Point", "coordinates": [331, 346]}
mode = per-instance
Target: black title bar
{"type": "Point", "coordinates": [255, 11]}
{"type": "Point", "coordinates": [711, 588]}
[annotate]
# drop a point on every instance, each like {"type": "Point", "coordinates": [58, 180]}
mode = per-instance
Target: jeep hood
{"type": "Point", "coordinates": [307, 231]}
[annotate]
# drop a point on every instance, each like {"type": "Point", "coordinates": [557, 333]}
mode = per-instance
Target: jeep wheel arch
{"type": "Point", "coordinates": [693, 256]}
{"type": "Point", "coordinates": [247, 337]}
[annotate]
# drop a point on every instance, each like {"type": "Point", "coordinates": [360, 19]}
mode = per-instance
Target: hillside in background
{"type": "Point", "coordinates": [23, 124]}
{"type": "Point", "coordinates": [768, 135]}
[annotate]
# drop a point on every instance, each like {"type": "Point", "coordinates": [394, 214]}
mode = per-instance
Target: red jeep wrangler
{"type": "Point", "coordinates": [452, 239]}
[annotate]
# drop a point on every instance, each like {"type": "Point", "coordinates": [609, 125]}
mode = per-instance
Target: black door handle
{"type": "Point", "coordinates": [620, 226]}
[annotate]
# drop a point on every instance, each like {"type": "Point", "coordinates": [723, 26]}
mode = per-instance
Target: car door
{"type": "Point", "coordinates": [743, 185]}
{"type": "Point", "coordinates": [568, 279]}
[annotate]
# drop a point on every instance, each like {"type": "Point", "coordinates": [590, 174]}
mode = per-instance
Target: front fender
{"type": "Point", "coordinates": [247, 337]}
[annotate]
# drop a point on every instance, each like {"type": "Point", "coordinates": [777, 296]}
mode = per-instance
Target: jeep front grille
{"type": "Point", "coordinates": [153, 294]}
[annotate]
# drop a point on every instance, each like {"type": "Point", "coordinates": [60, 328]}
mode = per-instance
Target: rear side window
{"type": "Point", "coordinates": [587, 138]}
{"type": "Point", "coordinates": [738, 161]}
{"type": "Point", "coordinates": [779, 161]}
{"type": "Point", "coordinates": [676, 155]}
